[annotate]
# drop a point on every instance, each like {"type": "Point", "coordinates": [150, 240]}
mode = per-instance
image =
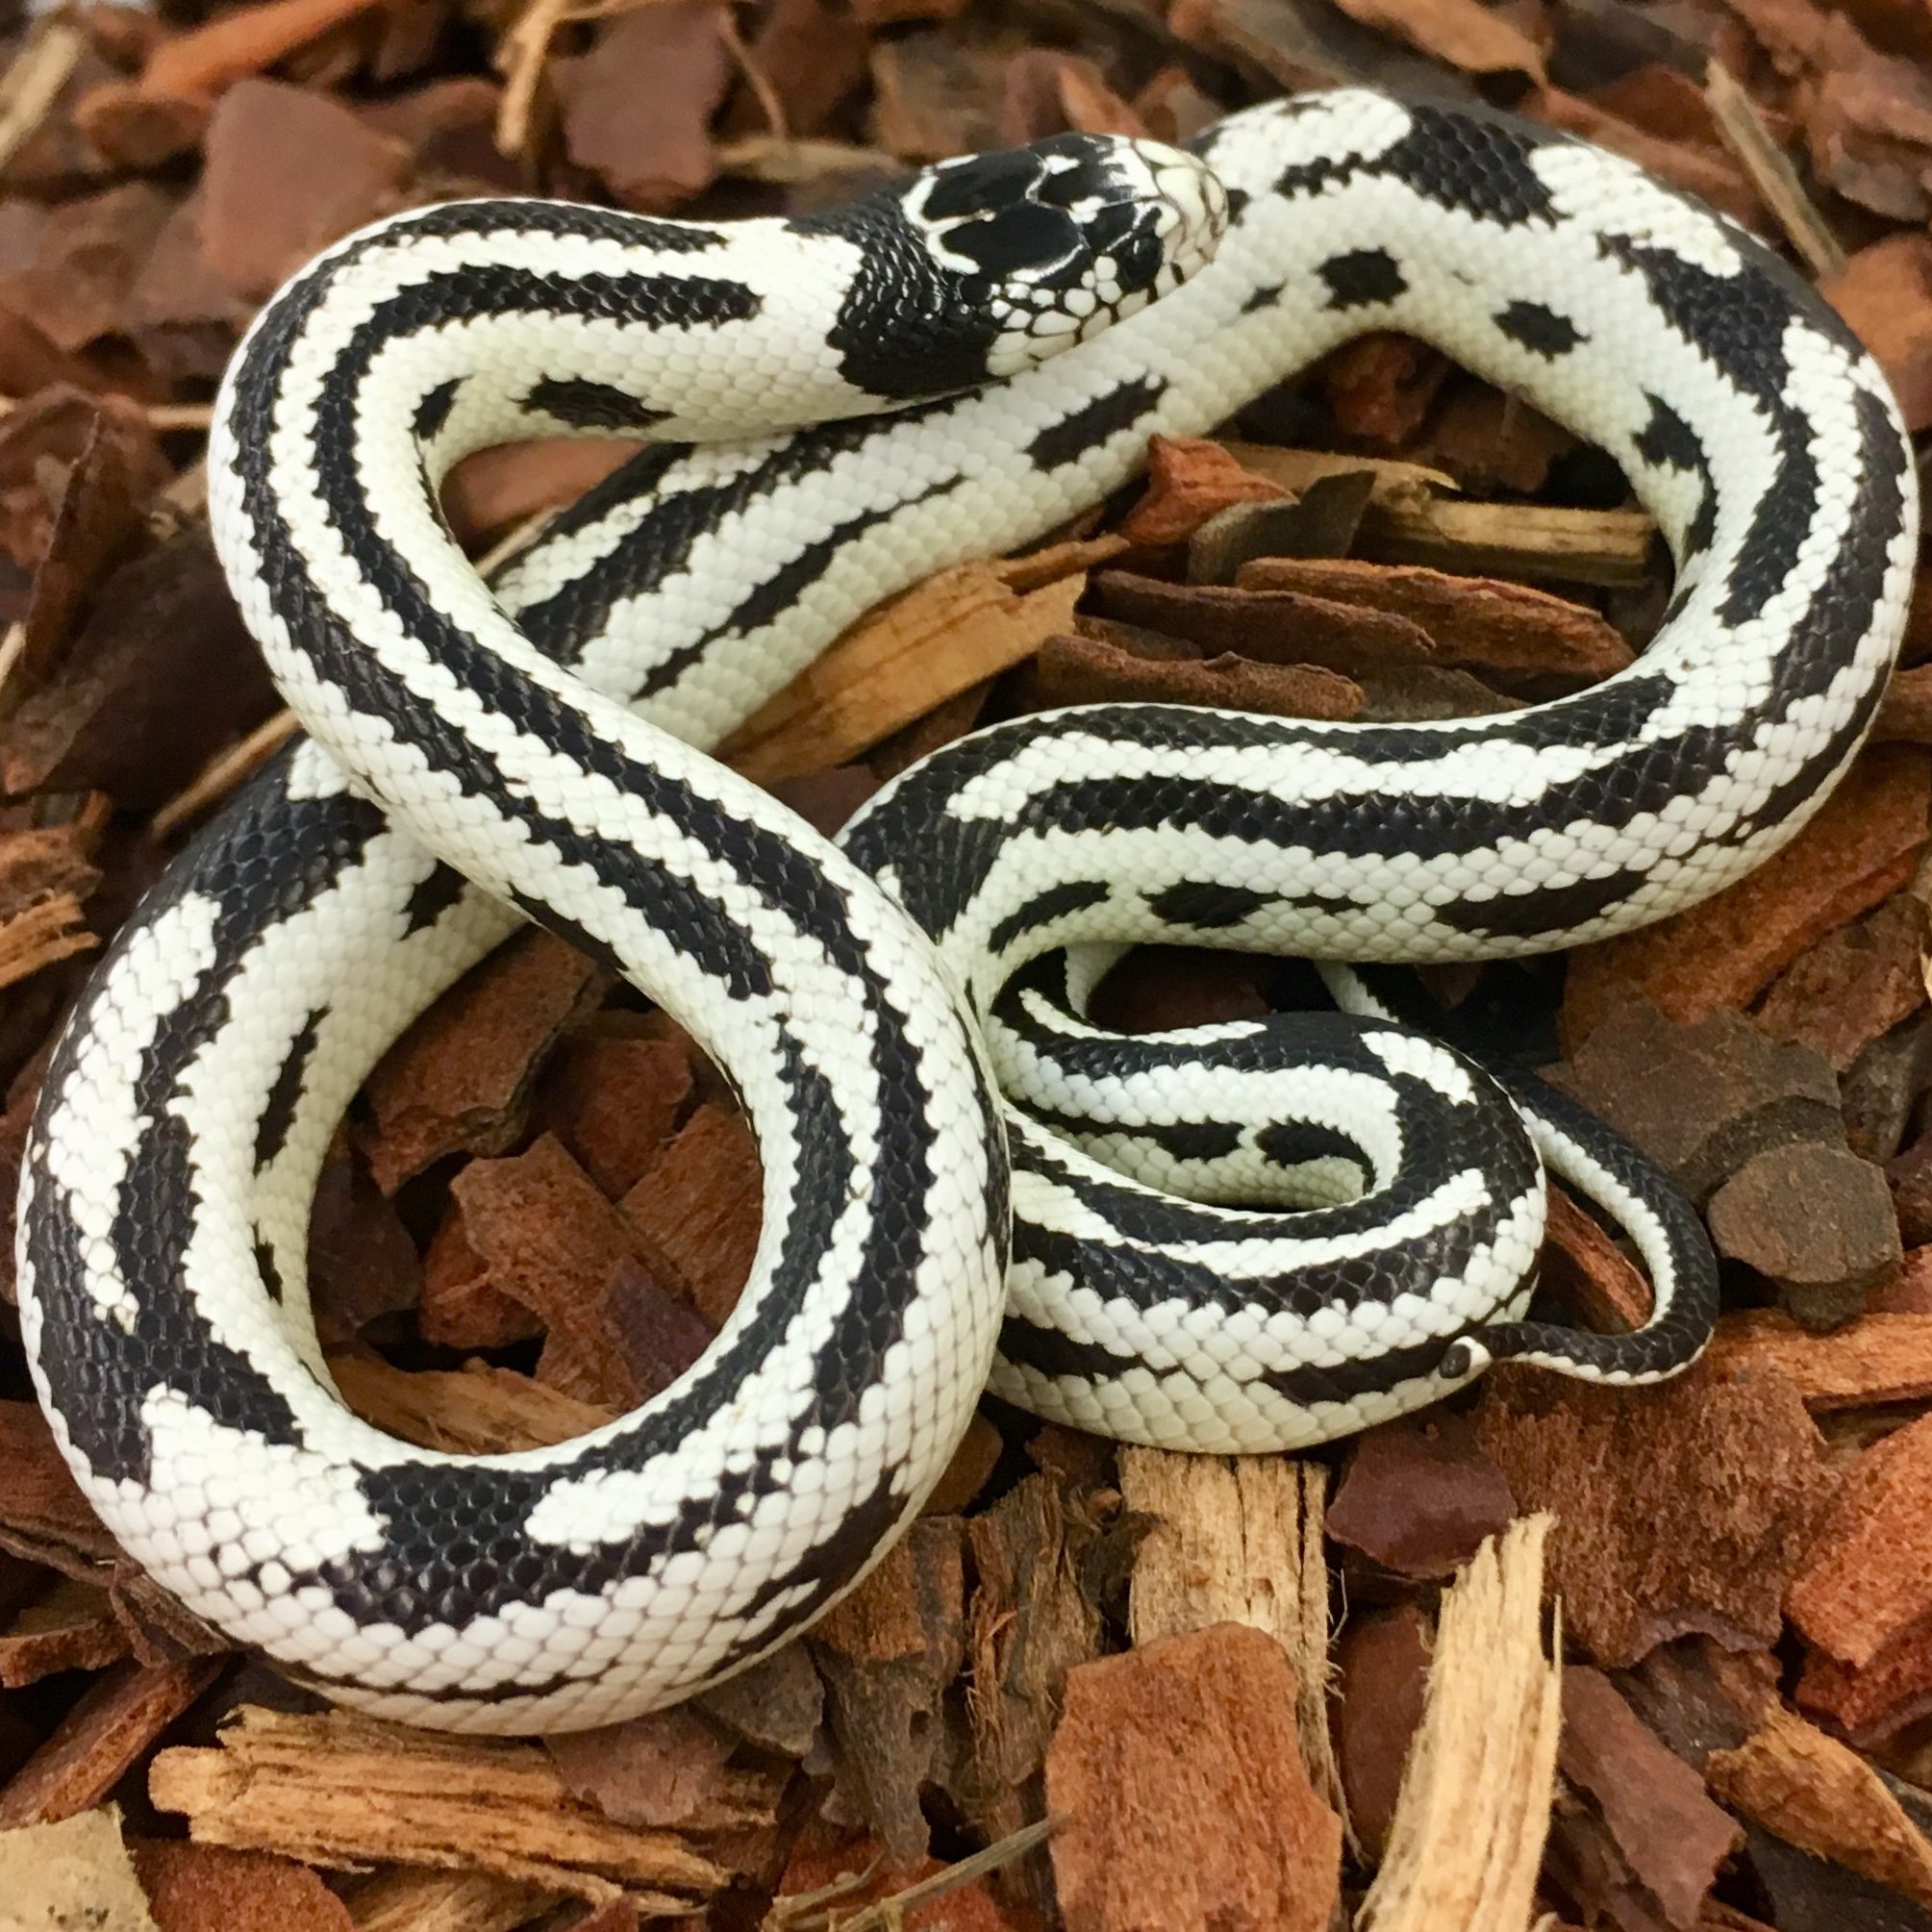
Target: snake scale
{"type": "Point", "coordinates": [1248, 1236]}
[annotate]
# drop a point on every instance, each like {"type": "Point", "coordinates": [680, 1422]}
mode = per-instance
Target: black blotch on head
{"type": "Point", "coordinates": [1362, 277]}
{"type": "Point", "coordinates": [981, 185]}
{"type": "Point", "coordinates": [1539, 328]}
{"type": "Point", "coordinates": [586, 404]}
{"type": "Point", "coordinates": [1024, 239]}
{"type": "Point", "coordinates": [1262, 298]}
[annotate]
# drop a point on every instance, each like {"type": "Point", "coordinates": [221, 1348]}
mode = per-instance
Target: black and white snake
{"type": "Point", "coordinates": [167, 1188]}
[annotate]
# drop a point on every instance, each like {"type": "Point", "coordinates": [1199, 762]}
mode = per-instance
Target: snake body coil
{"type": "Point", "coordinates": [166, 1186]}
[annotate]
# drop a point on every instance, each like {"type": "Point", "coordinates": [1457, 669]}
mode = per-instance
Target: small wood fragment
{"type": "Point", "coordinates": [116, 1722]}
{"type": "Point", "coordinates": [944, 635]}
{"type": "Point", "coordinates": [1239, 1541]}
{"type": "Point", "coordinates": [341, 1790]}
{"type": "Point", "coordinates": [1468, 1835]}
{"type": "Point", "coordinates": [1771, 174]}
{"type": "Point", "coordinates": [1818, 1794]}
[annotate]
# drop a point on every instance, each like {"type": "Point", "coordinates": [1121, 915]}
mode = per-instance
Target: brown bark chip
{"type": "Point", "coordinates": [548, 1240]}
{"type": "Point", "coordinates": [1879, 1358]}
{"type": "Point", "coordinates": [695, 1213]}
{"type": "Point", "coordinates": [1815, 1221]}
{"type": "Point", "coordinates": [1885, 292]}
{"type": "Point", "coordinates": [637, 107]}
{"type": "Point", "coordinates": [460, 1079]}
{"type": "Point", "coordinates": [1382, 1680]}
{"type": "Point", "coordinates": [888, 1654]}
{"type": "Point", "coordinates": [1669, 1834]}
{"type": "Point", "coordinates": [1177, 1771]}
{"type": "Point", "coordinates": [1507, 632]}
{"type": "Point", "coordinates": [1866, 1579]}
{"type": "Point", "coordinates": [193, 1888]}
{"type": "Point", "coordinates": [116, 1722]}
{"type": "Point", "coordinates": [614, 1100]}
{"type": "Point", "coordinates": [289, 171]}
{"type": "Point", "coordinates": [1853, 986]}
{"type": "Point", "coordinates": [1419, 1495]}
{"type": "Point", "coordinates": [1191, 479]}
{"type": "Point", "coordinates": [1701, 1100]}
{"type": "Point", "coordinates": [1686, 1507]}
{"type": "Point", "coordinates": [1817, 1794]}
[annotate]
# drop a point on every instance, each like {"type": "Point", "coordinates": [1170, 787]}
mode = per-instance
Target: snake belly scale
{"type": "Point", "coordinates": [1240, 1238]}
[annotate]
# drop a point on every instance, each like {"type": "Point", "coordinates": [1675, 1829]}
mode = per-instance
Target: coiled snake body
{"type": "Point", "coordinates": [168, 1181]}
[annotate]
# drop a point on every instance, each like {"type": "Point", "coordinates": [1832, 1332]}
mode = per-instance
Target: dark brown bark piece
{"type": "Point", "coordinates": [549, 1239]}
{"type": "Point", "coordinates": [888, 1654]}
{"type": "Point", "coordinates": [637, 107]}
{"type": "Point", "coordinates": [613, 1099]}
{"type": "Point", "coordinates": [1094, 671]}
{"type": "Point", "coordinates": [1671, 1837]}
{"type": "Point", "coordinates": [1853, 986]}
{"type": "Point", "coordinates": [1419, 1495]}
{"type": "Point", "coordinates": [696, 1212]}
{"type": "Point", "coordinates": [1382, 1682]}
{"type": "Point", "coordinates": [101, 1738]}
{"type": "Point", "coordinates": [1815, 1221]}
{"type": "Point", "coordinates": [1702, 1099]}
{"type": "Point", "coordinates": [289, 170]}
{"type": "Point", "coordinates": [1508, 633]}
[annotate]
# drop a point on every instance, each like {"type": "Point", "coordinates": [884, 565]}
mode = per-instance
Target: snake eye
{"type": "Point", "coordinates": [1138, 260]}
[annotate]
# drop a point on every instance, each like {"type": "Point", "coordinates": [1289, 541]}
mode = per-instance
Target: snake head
{"type": "Point", "coordinates": [978, 268]}
{"type": "Point", "coordinates": [1068, 236]}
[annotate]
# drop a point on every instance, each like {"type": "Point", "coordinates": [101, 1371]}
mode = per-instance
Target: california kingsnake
{"type": "Point", "coordinates": [167, 1188]}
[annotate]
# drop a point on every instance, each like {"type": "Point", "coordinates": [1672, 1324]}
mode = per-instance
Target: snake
{"type": "Point", "coordinates": [1248, 1236]}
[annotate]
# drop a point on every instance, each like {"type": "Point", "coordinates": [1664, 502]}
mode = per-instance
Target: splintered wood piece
{"type": "Point", "coordinates": [412, 1900]}
{"type": "Point", "coordinates": [888, 1654]}
{"type": "Point", "coordinates": [341, 1790]}
{"type": "Point", "coordinates": [1029, 1622]}
{"type": "Point", "coordinates": [1468, 1835]}
{"type": "Point", "coordinates": [937, 639]}
{"type": "Point", "coordinates": [1239, 1541]}
{"type": "Point", "coordinates": [1608, 547]}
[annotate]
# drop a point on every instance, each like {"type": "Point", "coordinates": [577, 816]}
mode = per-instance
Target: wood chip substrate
{"type": "Point", "coordinates": [1552, 1657]}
